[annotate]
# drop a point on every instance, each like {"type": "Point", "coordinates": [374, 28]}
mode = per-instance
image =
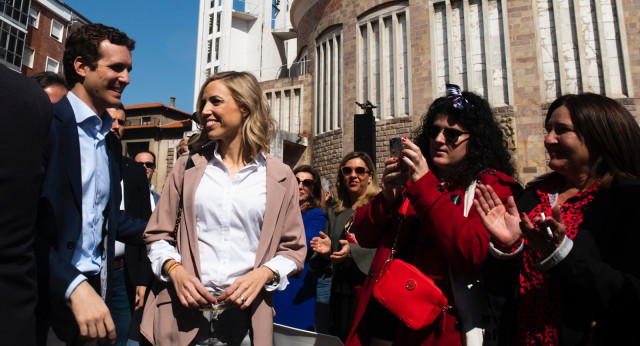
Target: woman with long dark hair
{"type": "Point", "coordinates": [567, 245]}
{"type": "Point", "coordinates": [295, 306]}
{"type": "Point", "coordinates": [346, 262]}
{"type": "Point", "coordinates": [457, 146]}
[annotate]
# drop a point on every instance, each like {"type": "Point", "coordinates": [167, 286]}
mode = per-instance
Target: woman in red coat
{"type": "Point", "coordinates": [457, 146]}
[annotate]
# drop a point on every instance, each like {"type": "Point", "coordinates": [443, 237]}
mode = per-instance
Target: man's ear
{"type": "Point", "coordinates": [80, 66]}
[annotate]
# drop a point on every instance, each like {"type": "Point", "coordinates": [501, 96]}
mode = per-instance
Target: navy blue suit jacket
{"type": "Point", "coordinates": [59, 220]}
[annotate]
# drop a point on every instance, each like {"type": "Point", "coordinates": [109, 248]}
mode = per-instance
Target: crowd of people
{"type": "Point", "coordinates": [238, 240]}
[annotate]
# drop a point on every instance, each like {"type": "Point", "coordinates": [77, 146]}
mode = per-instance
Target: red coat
{"type": "Point", "coordinates": [445, 238]}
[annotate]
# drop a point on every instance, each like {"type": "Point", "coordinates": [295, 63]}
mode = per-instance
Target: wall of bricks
{"type": "Point", "coordinates": [41, 41]}
{"type": "Point", "coordinates": [522, 121]}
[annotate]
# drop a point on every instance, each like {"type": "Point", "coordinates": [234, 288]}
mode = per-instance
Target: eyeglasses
{"type": "Point", "coordinates": [360, 171]}
{"type": "Point", "coordinates": [451, 135]}
{"type": "Point", "coordinates": [306, 183]}
{"type": "Point", "coordinates": [149, 165]}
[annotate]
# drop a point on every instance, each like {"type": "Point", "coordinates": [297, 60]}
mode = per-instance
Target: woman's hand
{"type": "Point", "coordinates": [393, 180]}
{"type": "Point", "coordinates": [190, 290]}
{"type": "Point", "coordinates": [245, 289]}
{"type": "Point", "coordinates": [502, 223]}
{"type": "Point", "coordinates": [540, 239]}
{"type": "Point", "coordinates": [321, 244]}
{"type": "Point", "coordinates": [413, 159]}
{"type": "Point", "coordinates": [341, 255]}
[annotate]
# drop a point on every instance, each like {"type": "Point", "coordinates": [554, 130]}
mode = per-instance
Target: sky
{"type": "Point", "coordinates": [164, 60]}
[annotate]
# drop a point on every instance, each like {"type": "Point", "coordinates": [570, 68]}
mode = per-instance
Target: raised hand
{"type": "Point", "coordinates": [413, 159]}
{"type": "Point", "coordinates": [321, 244]}
{"type": "Point", "coordinates": [503, 223]}
{"type": "Point", "coordinates": [339, 256]}
{"type": "Point", "coordinates": [544, 240]}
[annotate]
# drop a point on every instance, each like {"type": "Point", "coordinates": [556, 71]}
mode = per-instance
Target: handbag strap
{"type": "Point", "coordinates": [402, 215]}
{"type": "Point", "coordinates": [187, 166]}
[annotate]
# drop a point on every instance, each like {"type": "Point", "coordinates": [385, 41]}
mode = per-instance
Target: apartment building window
{"type": "Point", "coordinates": [471, 49]}
{"type": "Point", "coordinates": [211, 24]}
{"type": "Point", "coordinates": [583, 46]}
{"type": "Point", "coordinates": [52, 65]}
{"type": "Point", "coordinates": [56, 30]}
{"type": "Point", "coordinates": [27, 57]}
{"type": "Point", "coordinates": [209, 51]}
{"type": "Point", "coordinates": [34, 18]}
{"type": "Point", "coordinates": [328, 82]}
{"type": "Point", "coordinates": [383, 61]}
{"type": "Point", "coordinates": [286, 108]}
{"type": "Point", "coordinates": [18, 10]}
{"type": "Point", "coordinates": [146, 120]}
{"type": "Point", "coordinates": [218, 16]}
{"type": "Point", "coordinates": [11, 44]}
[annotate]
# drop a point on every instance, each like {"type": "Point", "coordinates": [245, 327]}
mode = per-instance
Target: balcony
{"type": "Point", "coordinates": [245, 10]}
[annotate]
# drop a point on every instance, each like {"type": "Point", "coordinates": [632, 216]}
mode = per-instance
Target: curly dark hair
{"type": "Point", "coordinates": [315, 200]}
{"type": "Point", "coordinates": [487, 146]}
{"type": "Point", "coordinates": [85, 42]}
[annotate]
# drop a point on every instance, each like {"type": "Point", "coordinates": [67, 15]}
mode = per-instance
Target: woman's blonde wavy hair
{"type": "Point", "coordinates": [258, 127]}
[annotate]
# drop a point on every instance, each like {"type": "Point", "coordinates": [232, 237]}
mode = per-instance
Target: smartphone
{"type": "Point", "coordinates": [395, 147]}
{"type": "Point", "coordinates": [395, 150]}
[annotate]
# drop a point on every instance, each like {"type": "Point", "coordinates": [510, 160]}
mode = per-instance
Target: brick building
{"type": "Point", "coordinates": [158, 128]}
{"type": "Point", "coordinates": [520, 55]}
{"type": "Point", "coordinates": [49, 23]}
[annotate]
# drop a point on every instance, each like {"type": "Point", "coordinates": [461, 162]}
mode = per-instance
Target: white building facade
{"type": "Point", "coordinates": [254, 36]}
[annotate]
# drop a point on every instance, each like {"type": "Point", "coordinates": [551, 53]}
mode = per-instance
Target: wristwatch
{"type": "Point", "coordinates": [276, 278]}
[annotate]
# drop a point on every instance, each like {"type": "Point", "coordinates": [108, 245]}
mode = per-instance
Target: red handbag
{"type": "Point", "coordinates": [405, 291]}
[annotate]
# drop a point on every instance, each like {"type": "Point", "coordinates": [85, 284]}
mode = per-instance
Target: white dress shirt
{"type": "Point", "coordinates": [229, 215]}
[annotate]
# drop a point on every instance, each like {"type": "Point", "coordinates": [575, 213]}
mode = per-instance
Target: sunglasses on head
{"type": "Point", "coordinates": [149, 165]}
{"type": "Point", "coordinates": [360, 171]}
{"type": "Point", "coordinates": [451, 135]}
{"type": "Point", "coordinates": [306, 183]}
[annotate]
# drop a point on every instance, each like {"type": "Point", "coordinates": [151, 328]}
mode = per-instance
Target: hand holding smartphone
{"type": "Point", "coordinates": [395, 150]}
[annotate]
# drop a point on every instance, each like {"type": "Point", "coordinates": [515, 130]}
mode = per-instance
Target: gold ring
{"type": "Point", "coordinates": [487, 211]}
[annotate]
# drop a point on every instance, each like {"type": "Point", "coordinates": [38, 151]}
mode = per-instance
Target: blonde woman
{"type": "Point", "coordinates": [345, 261]}
{"type": "Point", "coordinates": [230, 242]}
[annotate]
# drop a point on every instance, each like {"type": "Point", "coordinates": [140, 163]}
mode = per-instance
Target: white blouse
{"type": "Point", "coordinates": [229, 216]}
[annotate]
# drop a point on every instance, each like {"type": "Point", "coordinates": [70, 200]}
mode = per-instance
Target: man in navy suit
{"type": "Point", "coordinates": [79, 215]}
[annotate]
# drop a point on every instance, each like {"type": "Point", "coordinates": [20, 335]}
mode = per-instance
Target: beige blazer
{"type": "Point", "coordinates": [165, 321]}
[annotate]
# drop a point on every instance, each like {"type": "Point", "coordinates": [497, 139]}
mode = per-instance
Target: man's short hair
{"type": "Point", "coordinates": [47, 79]}
{"type": "Point", "coordinates": [148, 152]}
{"type": "Point", "coordinates": [85, 42]}
{"type": "Point", "coordinates": [119, 107]}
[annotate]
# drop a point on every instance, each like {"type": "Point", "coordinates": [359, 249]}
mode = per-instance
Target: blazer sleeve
{"type": "Point", "coordinates": [464, 241]}
{"type": "Point", "coordinates": [292, 242]}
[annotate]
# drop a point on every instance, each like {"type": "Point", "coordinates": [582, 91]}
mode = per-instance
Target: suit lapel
{"type": "Point", "coordinates": [275, 195]}
{"type": "Point", "coordinates": [192, 178]}
{"type": "Point", "coordinates": [70, 151]}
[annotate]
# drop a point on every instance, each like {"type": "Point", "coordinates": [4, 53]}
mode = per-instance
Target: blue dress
{"type": "Point", "coordinates": [295, 305]}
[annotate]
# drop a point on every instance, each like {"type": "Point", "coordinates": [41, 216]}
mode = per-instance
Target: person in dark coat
{"type": "Point", "coordinates": [25, 111]}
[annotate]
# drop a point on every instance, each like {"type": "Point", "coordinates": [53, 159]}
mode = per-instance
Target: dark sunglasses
{"type": "Point", "coordinates": [451, 135]}
{"type": "Point", "coordinates": [360, 171]}
{"type": "Point", "coordinates": [149, 165]}
{"type": "Point", "coordinates": [306, 183]}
